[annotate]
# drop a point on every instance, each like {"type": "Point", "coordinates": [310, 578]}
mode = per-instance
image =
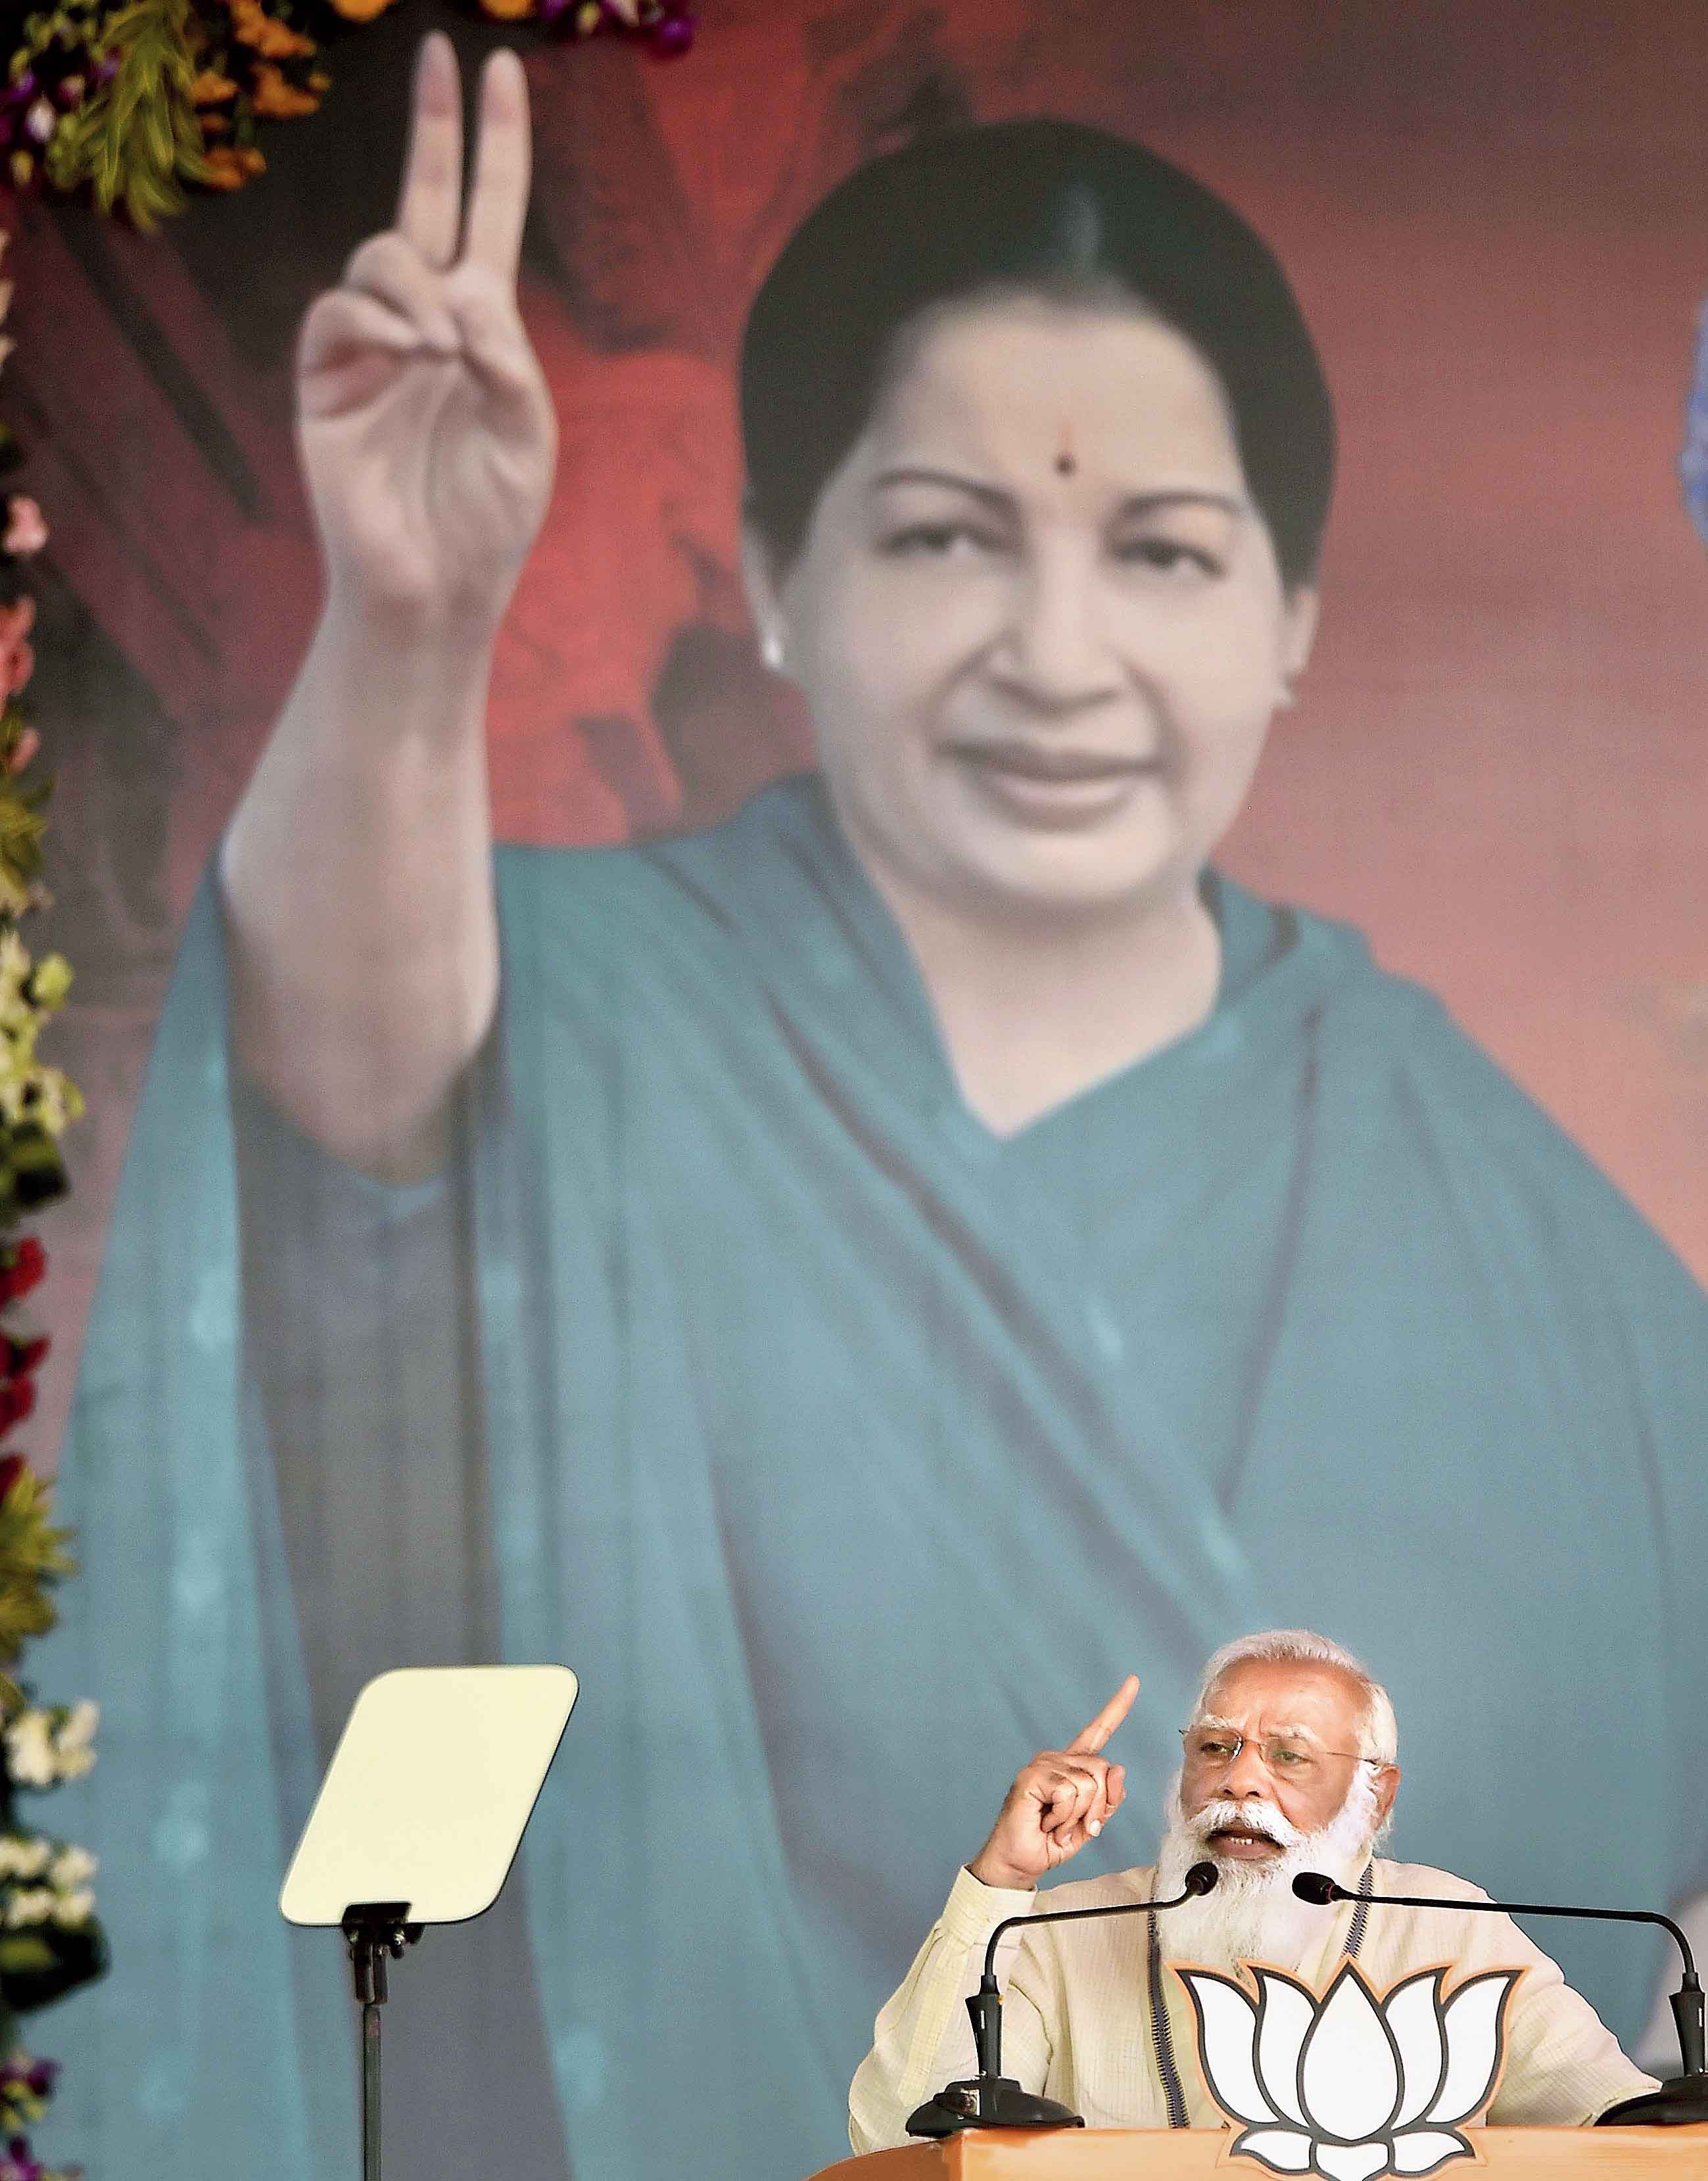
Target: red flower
{"type": "Point", "coordinates": [23, 1356]}
{"type": "Point", "coordinates": [21, 1268]}
{"type": "Point", "coordinates": [11, 1467]}
{"type": "Point", "coordinates": [17, 1399]}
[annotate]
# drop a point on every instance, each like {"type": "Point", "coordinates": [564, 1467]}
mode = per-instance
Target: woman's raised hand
{"type": "Point", "coordinates": [426, 428]}
{"type": "Point", "coordinates": [1061, 1800]}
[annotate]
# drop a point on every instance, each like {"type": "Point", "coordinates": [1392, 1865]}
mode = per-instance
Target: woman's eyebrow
{"type": "Point", "coordinates": [992, 495]}
{"type": "Point", "coordinates": [1148, 503]}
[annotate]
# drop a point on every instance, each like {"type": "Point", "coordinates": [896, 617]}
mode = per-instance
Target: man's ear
{"type": "Point", "coordinates": [1386, 1780]}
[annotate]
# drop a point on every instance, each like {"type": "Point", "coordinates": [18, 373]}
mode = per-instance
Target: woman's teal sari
{"type": "Point", "coordinates": [848, 1454]}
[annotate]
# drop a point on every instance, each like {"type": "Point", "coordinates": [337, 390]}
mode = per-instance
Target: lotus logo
{"type": "Point", "coordinates": [1351, 2086]}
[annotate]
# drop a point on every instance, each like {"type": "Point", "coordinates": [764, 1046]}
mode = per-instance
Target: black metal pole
{"type": "Point", "coordinates": [370, 2092]}
{"type": "Point", "coordinates": [373, 1929]}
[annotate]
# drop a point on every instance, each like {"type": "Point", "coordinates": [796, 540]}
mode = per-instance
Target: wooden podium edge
{"type": "Point", "coordinates": [1119, 2154]}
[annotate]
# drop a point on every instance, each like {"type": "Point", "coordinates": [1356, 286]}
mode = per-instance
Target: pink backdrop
{"type": "Point", "coordinates": [1497, 220]}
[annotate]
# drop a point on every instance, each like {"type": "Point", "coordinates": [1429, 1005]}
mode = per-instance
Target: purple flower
{"type": "Point", "coordinates": [674, 35]}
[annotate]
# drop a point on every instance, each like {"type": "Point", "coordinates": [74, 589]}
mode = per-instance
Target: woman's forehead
{"type": "Point", "coordinates": [999, 386]}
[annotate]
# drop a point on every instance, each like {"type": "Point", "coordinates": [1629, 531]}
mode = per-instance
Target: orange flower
{"type": "Point", "coordinates": [229, 166]}
{"type": "Point", "coordinates": [17, 660]}
{"type": "Point", "coordinates": [210, 88]}
{"type": "Point", "coordinates": [276, 100]}
{"type": "Point", "coordinates": [252, 26]}
{"type": "Point", "coordinates": [507, 11]}
{"type": "Point", "coordinates": [213, 125]}
{"type": "Point", "coordinates": [360, 11]}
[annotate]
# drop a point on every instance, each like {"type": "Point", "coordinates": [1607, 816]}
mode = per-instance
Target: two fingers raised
{"type": "Point", "coordinates": [431, 216]}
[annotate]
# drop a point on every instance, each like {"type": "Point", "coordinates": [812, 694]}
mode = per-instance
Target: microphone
{"type": "Point", "coordinates": [1680, 2104]}
{"type": "Point", "coordinates": [990, 2099]}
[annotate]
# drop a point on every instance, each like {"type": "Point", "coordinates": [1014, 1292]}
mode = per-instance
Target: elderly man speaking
{"type": "Point", "coordinates": [1289, 1766]}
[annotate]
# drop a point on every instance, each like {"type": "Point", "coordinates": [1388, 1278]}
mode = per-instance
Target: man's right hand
{"type": "Point", "coordinates": [426, 425]}
{"type": "Point", "coordinates": [1061, 1800]}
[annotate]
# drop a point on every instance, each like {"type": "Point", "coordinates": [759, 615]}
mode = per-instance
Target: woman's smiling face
{"type": "Point", "coordinates": [1037, 617]}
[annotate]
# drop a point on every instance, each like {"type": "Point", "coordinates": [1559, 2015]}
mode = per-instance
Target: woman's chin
{"type": "Point", "coordinates": [1070, 873]}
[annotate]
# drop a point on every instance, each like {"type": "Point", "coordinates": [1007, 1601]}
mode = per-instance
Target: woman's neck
{"type": "Point", "coordinates": [1032, 1013]}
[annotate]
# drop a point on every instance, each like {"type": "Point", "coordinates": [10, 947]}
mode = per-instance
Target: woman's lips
{"type": "Point", "coordinates": [1059, 788]}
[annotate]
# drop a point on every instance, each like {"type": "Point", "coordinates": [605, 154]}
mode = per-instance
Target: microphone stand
{"type": "Point", "coordinates": [1683, 2103]}
{"type": "Point", "coordinates": [991, 2098]}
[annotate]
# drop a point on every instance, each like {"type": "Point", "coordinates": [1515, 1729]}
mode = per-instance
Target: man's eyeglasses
{"type": "Point", "coordinates": [1214, 1749]}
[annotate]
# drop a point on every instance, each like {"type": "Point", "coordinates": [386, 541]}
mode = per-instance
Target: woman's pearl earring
{"type": "Point", "coordinates": [771, 650]}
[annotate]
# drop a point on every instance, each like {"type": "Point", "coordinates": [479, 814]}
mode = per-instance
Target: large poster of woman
{"type": "Point", "coordinates": [1039, 599]}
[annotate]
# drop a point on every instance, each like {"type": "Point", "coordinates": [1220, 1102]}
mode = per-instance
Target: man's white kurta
{"type": "Point", "coordinates": [1076, 2007]}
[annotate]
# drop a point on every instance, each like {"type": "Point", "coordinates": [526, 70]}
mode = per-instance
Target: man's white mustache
{"type": "Point", "coordinates": [1252, 1815]}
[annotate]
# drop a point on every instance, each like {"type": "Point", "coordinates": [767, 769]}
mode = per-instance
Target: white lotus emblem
{"type": "Point", "coordinates": [1350, 2086]}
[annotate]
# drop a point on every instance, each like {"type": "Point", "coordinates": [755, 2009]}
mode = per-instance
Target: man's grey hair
{"type": "Point", "coordinates": [1378, 1731]}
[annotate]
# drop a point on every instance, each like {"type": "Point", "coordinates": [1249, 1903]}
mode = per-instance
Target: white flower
{"type": "Point", "coordinates": [71, 1909]}
{"type": "Point", "coordinates": [25, 1855]}
{"type": "Point", "coordinates": [29, 1757]}
{"type": "Point", "coordinates": [77, 1730]}
{"type": "Point", "coordinates": [74, 1763]}
{"type": "Point", "coordinates": [30, 1904]}
{"type": "Point", "coordinates": [1351, 2087]}
{"type": "Point", "coordinates": [72, 1866]}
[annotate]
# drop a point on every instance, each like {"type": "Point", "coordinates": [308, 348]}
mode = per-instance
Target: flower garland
{"type": "Point", "coordinates": [49, 1941]}
{"type": "Point", "coordinates": [133, 101]}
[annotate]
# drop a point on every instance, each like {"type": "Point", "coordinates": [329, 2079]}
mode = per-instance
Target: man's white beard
{"type": "Point", "coordinates": [1254, 1915]}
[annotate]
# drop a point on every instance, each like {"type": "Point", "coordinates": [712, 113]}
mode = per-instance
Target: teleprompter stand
{"type": "Point", "coordinates": [375, 1929]}
{"type": "Point", "coordinates": [418, 1820]}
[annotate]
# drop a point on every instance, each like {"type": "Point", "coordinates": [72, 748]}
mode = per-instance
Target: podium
{"type": "Point", "coordinates": [1188, 2154]}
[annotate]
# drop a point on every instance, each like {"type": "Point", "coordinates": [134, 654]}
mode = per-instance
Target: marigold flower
{"type": "Point", "coordinates": [506, 11]}
{"type": "Point", "coordinates": [360, 11]}
{"type": "Point", "coordinates": [278, 99]}
{"type": "Point", "coordinates": [26, 531]}
{"type": "Point", "coordinates": [264, 34]}
{"type": "Point", "coordinates": [210, 88]}
{"type": "Point", "coordinates": [229, 166]}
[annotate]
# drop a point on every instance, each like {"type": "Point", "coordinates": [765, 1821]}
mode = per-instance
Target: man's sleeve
{"type": "Point", "coordinates": [1564, 2066]}
{"type": "Point", "coordinates": [924, 2039]}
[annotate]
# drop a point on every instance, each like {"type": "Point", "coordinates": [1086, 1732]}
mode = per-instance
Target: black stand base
{"type": "Point", "coordinates": [987, 2101]}
{"type": "Point", "coordinates": [1680, 2104]}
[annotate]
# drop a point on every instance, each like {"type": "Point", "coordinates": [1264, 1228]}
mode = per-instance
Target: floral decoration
{"type": "Point", "coordinates": [135, 101]}
{"type": "Point", "coordinates": [50, 1939]}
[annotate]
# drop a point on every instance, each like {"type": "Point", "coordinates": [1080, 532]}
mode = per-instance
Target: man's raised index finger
{"type": "Point", "coordinates": [1097, 1732]}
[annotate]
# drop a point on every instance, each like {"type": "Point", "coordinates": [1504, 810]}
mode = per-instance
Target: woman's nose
{"type": "Point", "coordinates": [1054, 650]}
